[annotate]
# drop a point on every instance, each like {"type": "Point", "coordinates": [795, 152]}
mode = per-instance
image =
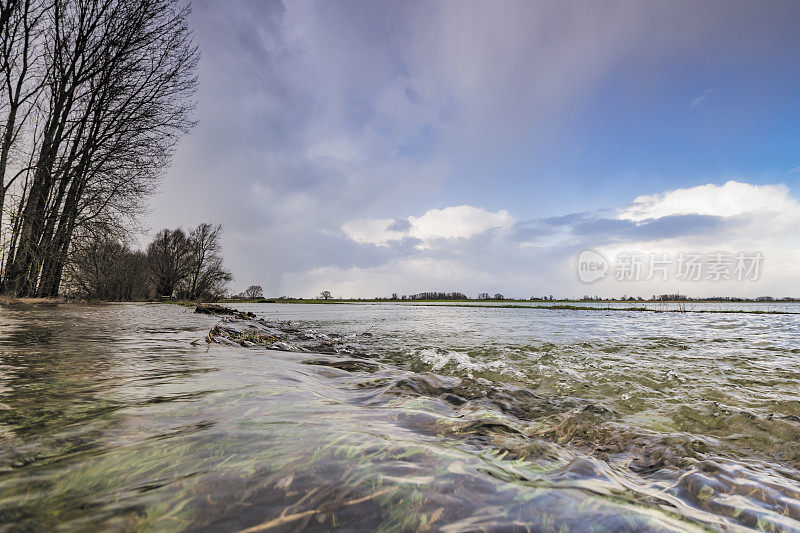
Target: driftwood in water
{"type": "Point", "coordinates": [214, 309]}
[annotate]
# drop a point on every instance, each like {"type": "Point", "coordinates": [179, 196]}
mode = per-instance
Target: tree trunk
{"type": "Point", "coordinates": [19, 275]}
{"type": "Point", "coordinates": [54, 266]}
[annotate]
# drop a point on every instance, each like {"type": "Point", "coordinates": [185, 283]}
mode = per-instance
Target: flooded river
{"type": "Point", "coordinates": [398, 417]}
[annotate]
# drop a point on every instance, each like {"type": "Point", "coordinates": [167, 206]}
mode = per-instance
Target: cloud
{"type": "Point", "coordinates": [731, 199]}
{"type": "Point", "coordinates": [360, 141]}
{"type": "Point", "coordinates": [449, 223]}
{"type": "Point", "coordinates": [456, 222]}
{"type": "Point", "coordinates": [700, 99]}
{"type": "Point", "coordinates": [474, 250]}
{"type": "Point", "coordinates": [732, 218]}
{"type": "Point", "coordinates": [373, 230]}
{"type": "Point", "coordinates": [399, 224]}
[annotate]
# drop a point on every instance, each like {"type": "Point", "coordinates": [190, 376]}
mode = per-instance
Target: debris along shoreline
{"type": "Point", "coordinates": [243, 328]}
{"type": "Point", "coordinates": [221, 310]}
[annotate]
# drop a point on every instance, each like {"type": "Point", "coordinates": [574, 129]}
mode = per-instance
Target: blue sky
{"type": "Point", "coordinates": [321, 120]}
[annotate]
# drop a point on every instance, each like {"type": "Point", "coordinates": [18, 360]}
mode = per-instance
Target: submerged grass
{"type": "Point", "coordinates": [262, 443]}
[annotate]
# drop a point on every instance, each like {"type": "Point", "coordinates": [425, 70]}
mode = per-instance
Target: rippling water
{"type": "Point", "coordinates": [399, 417]}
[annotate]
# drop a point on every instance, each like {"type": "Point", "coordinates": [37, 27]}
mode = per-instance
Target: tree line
{"type": "Point", "coordinates": [94, 96]}
{"type": "Point", "coordinates": [428, 296]}
{"type": "Point", "coordinates": [175, 264]}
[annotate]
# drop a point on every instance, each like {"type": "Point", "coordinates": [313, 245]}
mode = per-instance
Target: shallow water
{"type": "Point", "coordinates": [406, 417]}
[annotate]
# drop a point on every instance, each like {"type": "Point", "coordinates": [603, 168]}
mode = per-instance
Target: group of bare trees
{"type": "Point", "coordinates": [189, 266]}
{"type": "Point", "coordinates": [176, 264]}
{"type": "Point", "coordinates": [94, 95]}
{"type": "Point", "coordinates": [253, 291]}
{"type": "Point", "coordinates": [105, 268]}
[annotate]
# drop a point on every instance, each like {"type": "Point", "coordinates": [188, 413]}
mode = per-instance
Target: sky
{"type": "Point", "coordinates": [370, 148]}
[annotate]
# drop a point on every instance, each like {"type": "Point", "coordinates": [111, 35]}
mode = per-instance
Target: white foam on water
{"type": "Point", "coordinates": [439, 358]}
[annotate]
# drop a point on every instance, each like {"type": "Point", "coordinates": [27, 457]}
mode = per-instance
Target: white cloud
{"type": "Point", "coordinates": [461, 248]}
{"type": "Point", "coordinates": [753, 218]}
{"type": "Point", "coordinates": [731, 199]}
{"type": "Point", "coordinates": [372, 231]}
{"type": "Point", "coordinates": [456, 222]}
{"type": "Point", "coordinates": [700, 99]}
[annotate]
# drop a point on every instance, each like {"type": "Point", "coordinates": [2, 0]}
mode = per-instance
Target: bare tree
{"type": "Point", "coordinates": [325, 295]}
{"type": "Point", "coordinates": [103, 267]}
{"type": "Point", "coordinates": [168, 258]}
{"type": "Point", "coordinates": [254, 291]}
{"type": "Point", "coordinates": [20, 46]}
{"type": "Point", "coordinates": [118, 78]}
{"type": "Point", "coordinates": [206, 276]}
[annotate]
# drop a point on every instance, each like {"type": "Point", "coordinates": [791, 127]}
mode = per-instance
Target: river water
{"type": "Point", "coordinates": [403, 417]}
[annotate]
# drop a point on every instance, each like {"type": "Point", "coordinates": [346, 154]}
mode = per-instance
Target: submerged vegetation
{"type": "Point", "coordinates": [684, 469]}
{"type": "Point", "coordinates": [393, 418]}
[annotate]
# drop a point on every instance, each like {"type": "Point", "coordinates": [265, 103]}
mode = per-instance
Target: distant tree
{"type": "Point", "coordinates": [394, 296]}
{"type": "Point", "coordinates": [188, 266]}
{"type": "Point", "coordinates": [325, 295]}
{"type": "Point", "coordinates": [254, 291]}
{"type": "Point", "coordinates": [438, 296]}
{"type": "Point", "coordinates": [206, 276]}
{"type": "Point", "coordinates": [499, 296]}
{"type": "Point", "coordinates": [169, 260]}
{"type": "Point", "coordinates": [483, 296]}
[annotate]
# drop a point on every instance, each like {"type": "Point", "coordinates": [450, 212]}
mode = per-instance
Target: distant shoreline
{"type": "Point", "coordinates": [557, 305]}
{"type": "Point", "coordinates": [566, 301]}
{"type": "Point", "coordinates": [552, 305]}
